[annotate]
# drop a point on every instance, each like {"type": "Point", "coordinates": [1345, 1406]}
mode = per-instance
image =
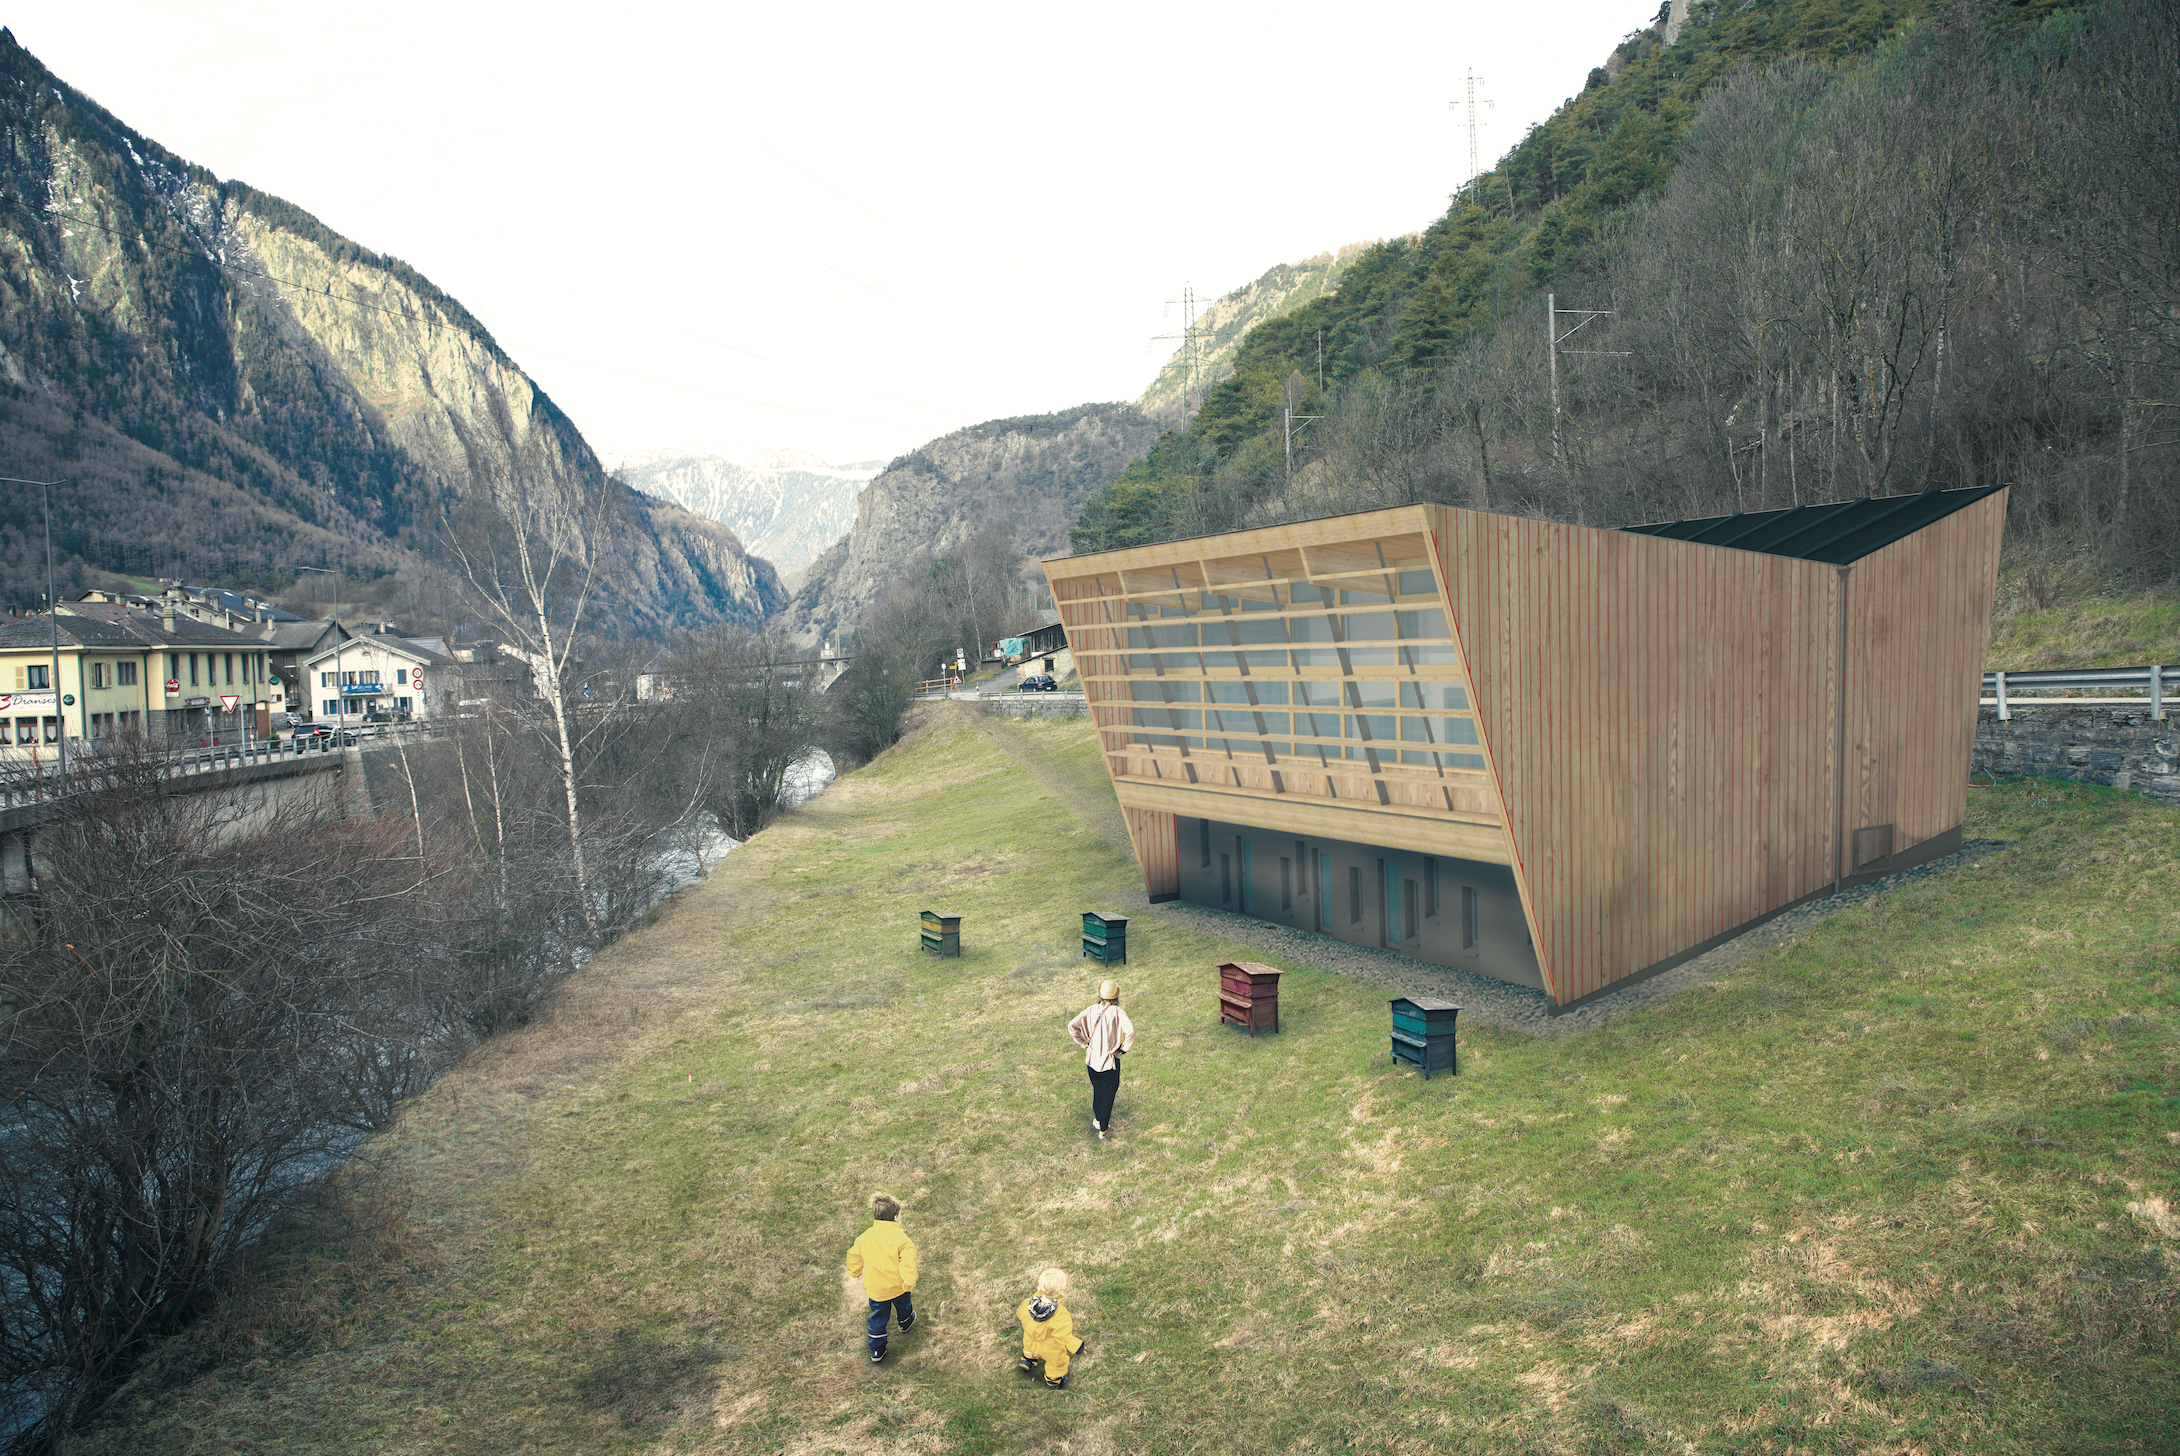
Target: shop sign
{"type": "Point", "coordinates": [23, 702]}
{"type": "Point", "coordinates": [196, 702]}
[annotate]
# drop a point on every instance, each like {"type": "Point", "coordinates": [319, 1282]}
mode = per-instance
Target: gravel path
{"type": "Point", "coordinates": [1481, 998]}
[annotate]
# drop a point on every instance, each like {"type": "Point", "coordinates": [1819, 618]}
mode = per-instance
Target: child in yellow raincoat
{"type": "Point", "coordinates": [1048, 1332]}
{"type": "Point", "coordinates": [885, 1259]}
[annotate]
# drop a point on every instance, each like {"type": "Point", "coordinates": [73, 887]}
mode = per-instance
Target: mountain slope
{"type": "Point", "coordinates": [787, 506]}
{"type": "Point", "coordinates": [1025, 477]}
{"type": "Point", "coordinates": [226, 384]}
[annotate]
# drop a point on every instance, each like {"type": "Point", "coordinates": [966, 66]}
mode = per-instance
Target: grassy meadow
{"type": "Point", "coordinates": [1903, 1184]}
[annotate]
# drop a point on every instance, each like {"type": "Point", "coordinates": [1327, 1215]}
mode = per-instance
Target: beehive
{"type": "Point", "coordinates": [1249, 996]}
{"type": "Point", "coordinates": [942, 932]}
{"type": "Point", "coordinates": [1423, 1034]}
{"type": "Point", "coordinates": [1105, 936]}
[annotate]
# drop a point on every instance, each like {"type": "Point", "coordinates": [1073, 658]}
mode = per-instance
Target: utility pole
{"type": "Point", "coordinates": [1289, 419]}
{"type": "Point", "coordinates": [340, 688]}
{"type": "Point", "coordinates": [1553, 313]}
{"type": "Point", "coordinates": [1473, 84]}
{"type": "Point", "coordinates": [53, 613]}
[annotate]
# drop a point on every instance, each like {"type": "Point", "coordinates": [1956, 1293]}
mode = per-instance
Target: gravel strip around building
{"type": "Point", "coordinates": [1518, 1008]}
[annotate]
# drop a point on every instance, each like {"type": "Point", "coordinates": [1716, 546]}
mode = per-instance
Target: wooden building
{"type": "Point", "coordinates": [1559, 755]}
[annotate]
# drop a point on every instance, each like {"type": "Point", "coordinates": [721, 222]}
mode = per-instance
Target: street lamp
{"type": "Point", "coordinates": [52, 609]}
{"type": "Point", "coordinates": [340, 688]}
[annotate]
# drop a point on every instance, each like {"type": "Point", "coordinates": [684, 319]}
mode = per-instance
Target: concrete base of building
{"type": "Point", "coordinates": [1449, 912]}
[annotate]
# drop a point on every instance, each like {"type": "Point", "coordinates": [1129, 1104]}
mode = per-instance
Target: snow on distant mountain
{"type": "Point", "coordinates": [788, 506]}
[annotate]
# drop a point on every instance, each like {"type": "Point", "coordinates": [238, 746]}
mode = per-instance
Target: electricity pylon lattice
{"type": "Point", "coordinates": [1192, 360]}
{"type": "Point", "coordinates": [1474, 86]}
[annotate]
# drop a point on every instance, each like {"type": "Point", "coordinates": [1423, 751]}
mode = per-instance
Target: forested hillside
{"type": "Point", "coordinates": [224, 385]}
{"type": "Point", "coordinates": [1848, 249]}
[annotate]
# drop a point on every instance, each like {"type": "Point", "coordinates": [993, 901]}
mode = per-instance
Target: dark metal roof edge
{"type": "Point", "coordinates": [1888, 508]}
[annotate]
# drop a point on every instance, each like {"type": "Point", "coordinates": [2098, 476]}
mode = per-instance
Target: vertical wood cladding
{"type": "Point", "coordinates": [1645, 730]}
{"type": "Point", "coordinates": [1918, 620]}
{"type": "Point", "coordinates": [1151, 831]}
{"type": "Point", "coordinates": [1660, 718]}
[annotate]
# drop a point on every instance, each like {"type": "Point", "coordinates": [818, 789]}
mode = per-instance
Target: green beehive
{"type": "Point", "coordinates": [1105, 936]}
{"type": "Point", "coordinates": [1423, 1034]}
{"type": "Point", "coordinates": [941, 933]}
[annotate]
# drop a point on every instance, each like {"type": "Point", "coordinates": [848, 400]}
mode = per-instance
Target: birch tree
{"type": "Point", "coordinates": [531, 554]}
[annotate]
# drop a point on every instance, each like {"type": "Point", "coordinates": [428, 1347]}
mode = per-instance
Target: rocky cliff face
{"type": "Point", "coordinates": [788, 506]}
{"type": "Point", "coordinates": [1026, 477]}
{"type": "Point", "coordinates": [228, 384]}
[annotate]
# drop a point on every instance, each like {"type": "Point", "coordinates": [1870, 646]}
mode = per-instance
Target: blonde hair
{"type": "Point", "coordinates": [885, 1207]}
{"type": "Point", "coordinates": [1109, 991]}
{"type": "Point", "coordinates": [1052, 1282]}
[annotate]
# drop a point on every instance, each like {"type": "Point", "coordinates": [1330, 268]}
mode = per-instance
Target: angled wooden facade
{"type": "Point", "coordinates": [1557, 754]}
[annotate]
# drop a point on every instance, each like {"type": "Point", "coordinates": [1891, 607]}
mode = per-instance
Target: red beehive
{"type": "Point", "coordinates": [1249, 996]}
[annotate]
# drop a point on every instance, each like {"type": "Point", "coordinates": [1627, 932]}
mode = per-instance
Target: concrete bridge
{"type": "Point", "coordinates": [282, 772]}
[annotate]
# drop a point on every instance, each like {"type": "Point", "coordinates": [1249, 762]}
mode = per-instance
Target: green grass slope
{"type": "Point", "coordinates": [1905, 1183]}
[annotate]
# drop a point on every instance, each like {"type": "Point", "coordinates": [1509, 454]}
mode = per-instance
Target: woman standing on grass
{"type": "Point", "coordinates": [1105, 1034]}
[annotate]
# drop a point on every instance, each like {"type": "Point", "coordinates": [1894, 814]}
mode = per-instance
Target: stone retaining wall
{"type": "Point", "coordinates": [1037, 705]}
{"type": "Point", "coordinates": [2117, 748]}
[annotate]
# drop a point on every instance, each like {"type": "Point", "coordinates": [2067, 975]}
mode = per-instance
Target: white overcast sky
{"type": "Point", "coordinates": [846, 228]}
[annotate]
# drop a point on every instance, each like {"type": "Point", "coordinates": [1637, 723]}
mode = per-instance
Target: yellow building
{"type": "Point", "coordinates": [175, 680]}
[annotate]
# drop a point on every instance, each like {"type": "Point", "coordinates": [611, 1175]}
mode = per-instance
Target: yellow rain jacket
{"type": "Point", "coordinates": [885, 1259]}
{"type": "Point", "coordinates": [1051, 1340]}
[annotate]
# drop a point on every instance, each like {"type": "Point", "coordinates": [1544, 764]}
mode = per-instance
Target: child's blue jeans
{"type": "Point", "coordinates": [900, 1306]}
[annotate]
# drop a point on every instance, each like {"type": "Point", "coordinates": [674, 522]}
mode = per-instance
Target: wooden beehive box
{"type": "Point", "coordinates": [942, 932]}
{"type": "Point", "coordinates": [1105, 936]}
{"type": "Point", "coordinates": [1423, 1034]}
{"type": "Point", "coordinates": [1249, 996]}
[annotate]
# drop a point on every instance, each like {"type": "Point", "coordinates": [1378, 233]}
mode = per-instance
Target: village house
{"type": "Point", "coordinates": [171, 679]}
{"type": "Point", "coordinates": [376, 677]}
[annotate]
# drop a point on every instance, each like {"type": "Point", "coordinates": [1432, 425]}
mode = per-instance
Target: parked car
{"type": "Point", "coordinates": [306, 732]}
{"type": "Point", "coordinates": [1042, 682]}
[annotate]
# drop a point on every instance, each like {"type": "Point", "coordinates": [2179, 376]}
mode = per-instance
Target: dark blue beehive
{"type": "Point", "coordinates": [1105, 936]}
{"type": "Point", "coordinates": [1423, 1034]}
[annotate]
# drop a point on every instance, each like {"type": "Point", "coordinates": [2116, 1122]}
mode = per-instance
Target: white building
{"type": "Point", "coordinates": [383, 675]}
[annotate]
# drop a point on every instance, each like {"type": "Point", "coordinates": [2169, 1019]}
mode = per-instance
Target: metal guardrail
{"type": "Point", "coordinates": [2148, 686]}
{"type": "Point", "coordinates": [21, 786]}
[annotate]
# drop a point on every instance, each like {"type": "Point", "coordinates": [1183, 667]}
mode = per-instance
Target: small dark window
{"type": "Point", "coordinates": [1430, 888]}
{"type": "Point", "coordinates": [39, 676]}
{"type": "Point", "coordinates": [1286, 883]}
{"type": "Point", "coordinates": [1471, 932]}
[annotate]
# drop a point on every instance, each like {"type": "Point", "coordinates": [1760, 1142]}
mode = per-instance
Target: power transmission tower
{"type": "Point", "coordinates": [1474, 84]}
{"type": "Point", "coordinates": [1191, 356]}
